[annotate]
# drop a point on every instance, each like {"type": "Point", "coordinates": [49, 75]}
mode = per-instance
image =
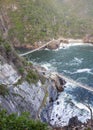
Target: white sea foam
{"type": "Point", "coordinates": [78, 60]}
{"type": "Point", "coordinates": [66, 46]}
{"type": "Point", "coordinates": [75, 61]}
{"type": "Point", "coordinates": [68, 72]}
{"type": "Point", "coordinates": [47, 49]}
{"type": "Point", "coordinates": [48, 67]}
{"type": "Point", "coordinates": [83, 70]}
{"type": "Point", "coordinates": [65, 108]}
{"type": "Point", "coordinates": [81, 106]}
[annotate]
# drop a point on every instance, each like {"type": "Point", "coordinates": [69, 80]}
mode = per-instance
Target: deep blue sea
{"type": "Point", "coordinates": [75, 62]}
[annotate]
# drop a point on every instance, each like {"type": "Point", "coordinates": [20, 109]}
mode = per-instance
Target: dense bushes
{"type": "Point", "coordinates": [34, 20]}
{"type": "Point", "coordinates": [23, 122]}
{"type": "Point", "coordinates": [32, 77]}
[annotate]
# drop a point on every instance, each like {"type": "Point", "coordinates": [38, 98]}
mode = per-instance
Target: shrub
{"type": "Point", "coordinates": [22, 122]}
{"type": "Point", "coordinates": [3, 90]}
{"type": "Point", "coordinates": [32, 77]}
{"type": "Point", "coordinates": [21, 70]}
{"type": "Point", "coordinates": [7, 47]}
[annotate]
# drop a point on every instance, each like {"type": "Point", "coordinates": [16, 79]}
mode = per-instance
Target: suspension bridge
{"type": "Point", "coordinates": [41, 47]}
{"type": "Point", "coordinates": [68, 79]}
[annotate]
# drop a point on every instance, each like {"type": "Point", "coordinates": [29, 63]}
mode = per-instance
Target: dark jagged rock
{"type": "Point", "coordinates": [58, 82]}
{"type": "Point", "coordinates": [74, 122]}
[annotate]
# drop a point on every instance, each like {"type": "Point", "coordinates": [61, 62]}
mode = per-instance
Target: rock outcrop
{"type": "Point", "coordinates": [88, 39]}
{"type": "Point", "coordinates": [54, 45]}
{"type": "Point", "coordinates": [21, 96]}
{"type": "Point", "coordinates": [58, 82]}
{"type": "Point", "coordinates": [55, 86]}
{"type": "Point", "coordinates": [18, 95]}
{"type": "Point", "coordinates": [73, 122]}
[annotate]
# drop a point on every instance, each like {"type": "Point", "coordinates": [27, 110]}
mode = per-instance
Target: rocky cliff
{"type": "Point", "coordinates": [16, 96]}
{"type": "Point", "coordinates": [24, 87]}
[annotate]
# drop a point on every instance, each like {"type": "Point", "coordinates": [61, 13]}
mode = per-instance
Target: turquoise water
{"type": "Point", "coordinates": [75, 62]}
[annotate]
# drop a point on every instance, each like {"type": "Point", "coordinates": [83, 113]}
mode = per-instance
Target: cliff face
{"type": "Point", "coordinates": [24, 87]}
{"type": "Point", "coordinates": [18, 97]}
{"type": "Point", "coordinates": [20, 90]}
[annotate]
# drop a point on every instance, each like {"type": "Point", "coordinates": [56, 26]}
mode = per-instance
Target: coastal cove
{"type": "Point", "coordinates": [74, 61]}
{"type": "Point", "coordinates": [46, 64]}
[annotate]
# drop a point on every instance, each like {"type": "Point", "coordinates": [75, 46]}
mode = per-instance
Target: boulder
{"type": "Point", "coordinates": [63, 40]}
{"type": "Point", "coordinates": [74, 122]}
{"type": "Point", "coordinates": [58, 82]}
{"type": "Point", "coordinates": [54, 44]}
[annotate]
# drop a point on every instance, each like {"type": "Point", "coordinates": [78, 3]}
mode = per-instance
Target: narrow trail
{"type": "Point", "coordinates": [75, 82]}
{"type": "Point", "coordinates": [29, 52]}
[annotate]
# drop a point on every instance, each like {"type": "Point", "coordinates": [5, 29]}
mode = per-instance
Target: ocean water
{"type": "Point", "coordinates": [75, 62]}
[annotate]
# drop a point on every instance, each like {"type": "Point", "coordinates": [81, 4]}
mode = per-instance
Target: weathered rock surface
{"type": "Point", "coordinates": [74, 122]}
{"type": "Point", "coordinates": [63, 40]}
{"type": "Point", "coordinates": [8, 75]}
{"type": "Point", "coordinates": [55, 86]}
{"type": "Point", "coordinates": [54, 45]}
{"type": "Point", "coordinates": [88, 39]}
{"type": "Point", "coordinates": [23, 96]}
{"type": "Point", "coordinates": [58, 82]}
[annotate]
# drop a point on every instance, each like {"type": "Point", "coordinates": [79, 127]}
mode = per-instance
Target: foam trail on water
{"type": "Point", "coordinates": [83, 70]}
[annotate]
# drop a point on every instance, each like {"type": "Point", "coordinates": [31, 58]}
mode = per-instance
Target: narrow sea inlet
{"type": "Point", "coordinates": [75, 62]}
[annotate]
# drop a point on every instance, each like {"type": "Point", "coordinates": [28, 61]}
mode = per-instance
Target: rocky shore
{"type": "Point", "coordinates": [17, 94]}
{"type": "Point", "coordinates": [55, 43]}
{"type": "Point", "coordinates": [56, 85]}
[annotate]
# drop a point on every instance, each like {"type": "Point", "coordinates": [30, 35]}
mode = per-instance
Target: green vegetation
{"type": "Point", "coordinates": [7, 47]}
{"type": "Point", "coordinates": [24, 68]}
{"type": "Point", "coordinates": [3, 90]}
{"type": "Point", "coordinates": [33, 20]}
{"type": "Point", "coordinates": [21, 70]}
{"type": "Point", "coordinates": [42, 79]}
{"type": "Point", "coordinates": [22, 122]}
{"type": "Point", "coordinates": [32, 76]}
{"type": "Point", "coordinates": [87, 129]}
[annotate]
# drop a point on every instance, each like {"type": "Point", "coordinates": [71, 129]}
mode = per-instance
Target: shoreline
{"type": "Point", "coordinates": [72, 44]}
{"type": "Point", "coordinates": [62, 106]}
{"type": "Point", "coordinates": [76, 104]}
{"type": "Point", "coordinates": [53, 44]}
